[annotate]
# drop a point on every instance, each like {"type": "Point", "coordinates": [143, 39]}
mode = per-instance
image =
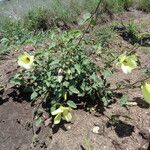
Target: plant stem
{"type": "Point", "coordinates": [89, 25]}
{"type": "Point", "coordinates": [131, 85]}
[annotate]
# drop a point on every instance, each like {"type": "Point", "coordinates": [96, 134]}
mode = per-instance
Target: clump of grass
{"type": "Point", "coordinates": [115, 6]}
{"type": "Point", "coordinates": [127, 4]}
{"type": "Point", "coordinates": [144, 5]}
{"type": "Point", "coordinates": [37, 19]}
{"type": "Point", "coordinates": [104, 35]}
{"type": "Point", "coordinates": [11, 29]}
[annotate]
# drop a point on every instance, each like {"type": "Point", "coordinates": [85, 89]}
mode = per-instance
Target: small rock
{"type": "Point", "coordinates": [96, 129]}
{"type": "Point", "coordinates": [47, 122]}
{"type": "Point", "coordinates": [45, 115]}
{"type": "Point", "coordinates": [68, 127]}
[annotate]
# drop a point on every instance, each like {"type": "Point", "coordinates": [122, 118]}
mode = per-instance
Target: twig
{"type": "Point", "coordinates": [35, 110]}
{"type": "Point", "coordinates": [88, 27]}
{"type": "Point", "coordinates": [131, 85]}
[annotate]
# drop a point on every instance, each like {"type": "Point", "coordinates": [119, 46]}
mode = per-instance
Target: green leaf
{"type": "Point", "coordinates": [66, 84]}
{"type": "Point", "coordinates": [147, 70]}
{"type": "Point", "coordinates": [60, 78]}
{"type": "Point", "coordinates": [93, 22]}
{"type": "Point", "coordinates": [105, 101]}
{"type": "Point", "coordinates": [52, 45]}
{"type": "Point", "coordinates": [71, 104]}
{"type": "Point", "coordinates": [94, 77]}
{"type": "Point", "coordinates": [53, 108]}
{"type": "Point", "coordinates": [77, 67]}
{"type": "Point", "coordinates": [124, 99]}
{"type": "Point", "coordinates": [1, 90]}
{"type": "Point", "coordinates": [38, 121]}
{"type": "Point", "coordinates": [107, 73]}
{"type": "Point", "coordinates": [74, 90]}
{"type": "Point", "coordinates": [34, 95]}
{"type": "Point", "coordinates": [55, 62]}
{"type": "Point", "coordinates": [47, 83]}
{"type": "Point", "coordinates": [16, 81]}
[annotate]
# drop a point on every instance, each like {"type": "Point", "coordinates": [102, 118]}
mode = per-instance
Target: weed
{"type": "Point", "coordinates": [88, 145]}
{"type": "Point", "coordinates": [63, 73]}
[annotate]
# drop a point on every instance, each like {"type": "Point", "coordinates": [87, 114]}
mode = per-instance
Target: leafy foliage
{"type": "Point", "coordinates": [124, 99]}
{"type": "Point", "coordinates": [65, 72]}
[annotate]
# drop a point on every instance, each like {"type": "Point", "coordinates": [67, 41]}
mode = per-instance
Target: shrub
{"type": "Point", "coordinates": [64, 72]}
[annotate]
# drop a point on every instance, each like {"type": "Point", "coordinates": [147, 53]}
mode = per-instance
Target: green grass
{"type": "Point", "coordinates": [69, 10]}
{"type": "Point", "coordinates": [65, 9]}
{"type": "Point", "coordinates": [17, 17]}
{"type": "Point", "coordinates": [36, 15]}
{"type": "Point", "coordinates": [20, 20]}
{"type": "Point", "coordinates": [144, 5]}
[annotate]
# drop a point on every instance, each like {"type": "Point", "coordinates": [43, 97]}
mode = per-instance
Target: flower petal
{"type": "Point", "coordinates": [67, 115]}
{"type": "Point", "coordinates": [57, 119]}
{"type": "Point", "coordinates": [146, 92]}
{"type": "Point", "coordinates": [126, 69]}
{"type": "Point", "coordinates": [128, 63]}
{"type": "Point", "coordinates": [57, 111]}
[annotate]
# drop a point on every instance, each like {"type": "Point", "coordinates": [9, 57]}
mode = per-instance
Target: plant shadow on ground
{"type": "Point", "coordinates": [131, 37]}
{"type": "Point", "coordinates": [56, 128]}
{"type": "Point", "coordinates": [141, 103]}
{"type": "Point", "coordinates": [124, 129]}
{"type": "Point", "coordinates": [121, 128]}
{"type": "Point", "coordinates": [17, 95]}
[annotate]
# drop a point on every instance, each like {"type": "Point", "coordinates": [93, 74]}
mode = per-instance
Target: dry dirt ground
{"type": "Point", "coordinates": [132, 132]}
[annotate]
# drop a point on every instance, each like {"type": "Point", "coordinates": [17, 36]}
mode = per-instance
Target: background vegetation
{"type": "Point", "coordinates": [21, 20]}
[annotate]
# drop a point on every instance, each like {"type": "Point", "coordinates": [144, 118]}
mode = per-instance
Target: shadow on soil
{"type": "Point", "coordinates": [121, 128]}
{"type": "Point", "coordinates": [141, 103]}
{"type": "Point", "coordinates": [133, 38]}
{"type": "Point", "coordinates": [124, 129]}
{"type": "Point", "coordinates": [56, 128]}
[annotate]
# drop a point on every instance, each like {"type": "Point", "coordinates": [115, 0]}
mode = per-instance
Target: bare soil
{"type": "Point", "coordinates": [131, 133]}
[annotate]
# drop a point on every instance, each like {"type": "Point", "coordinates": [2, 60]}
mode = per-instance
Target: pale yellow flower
{"type": "Point", "coordinates": [26, 61]}
{"type": "Point", "coordinates": [127, 63]}
{"type": "Point", "coordinates": [62, 113]}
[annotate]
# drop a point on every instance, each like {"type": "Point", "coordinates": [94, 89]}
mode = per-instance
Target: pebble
{"type": "Point", "coordinates": [96, 129]}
